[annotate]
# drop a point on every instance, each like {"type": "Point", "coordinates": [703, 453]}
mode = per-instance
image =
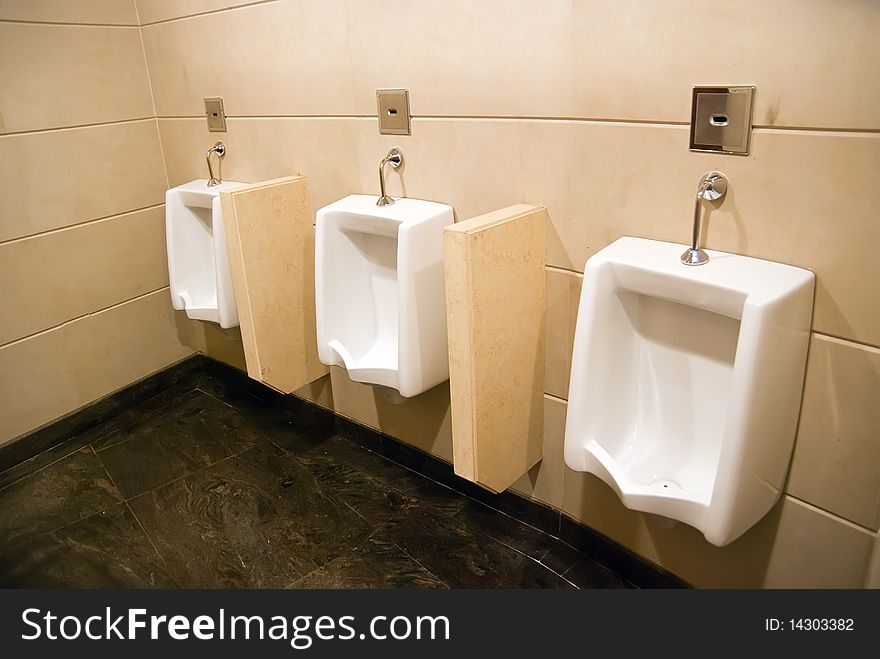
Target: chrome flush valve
{"type": "Point", "coordinates": [713, 186]}
{"type": "Point", "coordinates": [394, 158]}
{"type": "Point", "coordinates": [220, 149]}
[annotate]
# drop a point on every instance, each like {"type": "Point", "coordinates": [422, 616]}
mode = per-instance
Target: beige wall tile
{"type": "Point", "coordinates": [422, 421]}
{"type": "Point", "coordinates": [544, 481]}
{"type": "Point", "coordinates": [557, 334]}
{"type": "Point", "coordinates": [59, 371]}
{"type": "Point", "coordinates": [796, 199]}
{"type": "Point", "coordinates": [836, 458]}
{"type": "Point", "coordinates": [63, 75]}
{"type": "Point", "coordinates": [69, 273]}
{"type": "Point", "coordinates": [103, 12]}
{"type": "Point", "coordinates": [873, 579]}
{"type": "Point", "coordinates": [547, 153]}
{"type": "Point", "coordinates": [118, 168]}
{"type": "Point", "coordinates": [794, 546]}
{"type": "Point", "coordinates": [224, 345]}
{"type": "Point", "coordinates": [320, 392]}
{"type": "Point", "coordinates": [260, 149]}
{"type": "Point", "coordinates": [474, 165]}
{"type": "Point", "coordinates": [459, 57]}
{"type": "Point", "coordinates": [267, 59]}
{"type": "Point", "coordinates": [563, 296]}
{"type": "Point", "coordinates": [151, 11]}
{"type": "Point", "coordinates": [639, 60]}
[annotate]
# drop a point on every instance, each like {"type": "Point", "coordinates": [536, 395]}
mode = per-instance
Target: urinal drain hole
{"type": "Point", "coordinates": [666, 485]}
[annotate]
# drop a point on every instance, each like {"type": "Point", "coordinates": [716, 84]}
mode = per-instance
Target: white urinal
{"type": "Point", "coordinates": [198, 266]}
{"type": "Point", "coordinates": [379, 291]}
{"type": "Point", "coordinates": [686, 382]}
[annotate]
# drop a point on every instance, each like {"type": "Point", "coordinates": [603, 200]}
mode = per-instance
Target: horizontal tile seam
{"type": "Point", "coordinates": [195, 117]}
{"type": "Point", "coordinates": [97, 312]}
{"type": "Point", "coordinates": [561, 270]}
{"type": "Point", "coordinates": [15, 21]}
{"type": "Point", "coordinates": [210, 12]}
{"type": "Point", "coordinates": [827, 513]}
{"type": "Point", "coordinates": [843, 339]}
{"type": "Point", "coordinates": [55, 129]}
{"type": "Point", "coordinates": [536, 119]}
{"type": "Point", "coordinates": [554, 397]}
{"type": "Point", "coordinates": [78, 225]}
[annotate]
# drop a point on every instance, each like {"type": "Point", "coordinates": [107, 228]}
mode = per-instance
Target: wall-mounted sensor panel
{"type": "Point", "coordinates": [721, 119]}
{"type": "Point", "coordinates": [215, 115]}
{"type": "Point", "coordinates": [393, 110]}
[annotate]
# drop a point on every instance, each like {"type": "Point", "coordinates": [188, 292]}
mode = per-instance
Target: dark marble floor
{"type": "Point", "coordinates": [205, 488]}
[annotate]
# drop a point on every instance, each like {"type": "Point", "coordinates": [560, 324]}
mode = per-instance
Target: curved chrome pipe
{"type": "Point", "coordinates": [220, 149]}
{"type": "Point", "coordinates": [394, 158]}
{"type": "Point", "coordinates": [713, 186]}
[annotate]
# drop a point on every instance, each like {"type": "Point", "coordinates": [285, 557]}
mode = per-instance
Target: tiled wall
{"type": "Point", "coordinates": [85, 307]}
{"type": "Point", "coordinates": [581, 105]}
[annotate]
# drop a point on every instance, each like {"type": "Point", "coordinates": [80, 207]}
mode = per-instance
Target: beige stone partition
{"type": "Point", "coordinates": [271, 246]}
{"type": "Point", "coordinates": [494, 266]}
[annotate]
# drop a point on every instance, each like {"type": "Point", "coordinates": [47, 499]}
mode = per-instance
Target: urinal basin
{"type": "Point", "coordinates": [379, 291]}
{"type": "Point", "coordinates": [686, 381]}
{"type": "Point", "coordinates": [198, 264]}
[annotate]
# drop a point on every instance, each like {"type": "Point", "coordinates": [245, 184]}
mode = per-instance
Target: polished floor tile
{"type": "Point", "coordinates": [337, 450]}
{"type": "Point", "coordinates": [508, 531]}
{"type": "Point", "coordinates": [461, 559]}
{"type": "Point", "coordinates": [197, 431]}
{"type": "Point", "coordinates": [259, 519]}
{"type": "Point", "coordinates": [587, 573]}
{"type": "Point", "coordinates": [141, 417]}
{"type": "Point", "coordinates": [297, 431]}
{"type": "Point", "coordinates": [41, 461]}
{"type": "Point", "coordinates": [74, 487]}
{"type": "Point", "coordinates": [229, 485]}
{"type": "Point", "coordinates": [105, 550]}
{"type": "Point", "coordinates": [376, 563]}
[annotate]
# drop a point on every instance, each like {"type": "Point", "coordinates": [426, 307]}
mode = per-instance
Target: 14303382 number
{"type": "Point", "coordinates": [822, 624]}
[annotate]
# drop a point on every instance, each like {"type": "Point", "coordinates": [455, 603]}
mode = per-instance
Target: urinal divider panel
{"type": "Point", "coordinates": [271, 245]}
{"type": "Point", "coordinates": [495, 280]}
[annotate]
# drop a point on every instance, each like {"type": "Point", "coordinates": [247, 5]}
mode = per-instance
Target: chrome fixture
{"type": "Point", "coordinates": [392, 106]}
{"type": "Point", "coordinates": [713, 186]}
{"type": "Point", "coordinates": [394, 158]}
{"type": "Point", "coordinates": [220, 149]}
{"type": "Point", "coordinates": [721, 119]}
{"type": "Point", "coordinates": [215, 114]}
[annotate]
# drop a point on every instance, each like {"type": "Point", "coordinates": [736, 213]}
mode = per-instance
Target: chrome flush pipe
{"type": "Point", "coordinates": [713, 186]}
{"type": "Point", "coordinates": [394, 158]}
{"type": "Point", "coordinates": [220, 149]}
